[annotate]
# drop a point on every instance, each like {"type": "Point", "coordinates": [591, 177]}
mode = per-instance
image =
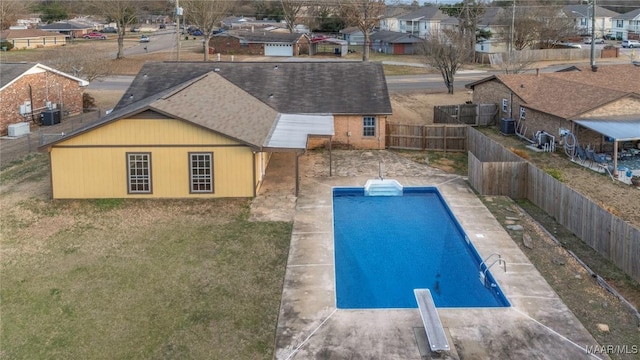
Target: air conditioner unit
{"type": "Point", "coordinates": [18, 129]}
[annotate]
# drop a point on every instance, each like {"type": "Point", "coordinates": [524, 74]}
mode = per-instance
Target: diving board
{"type": "Point", "coordinates": [432, 324]}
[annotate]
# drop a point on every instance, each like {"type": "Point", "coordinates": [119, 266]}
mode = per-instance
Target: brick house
{"type": "Point", "coordinates": [259, 43]}
{"type": "Point", "coordinates": [590, 104]}
{"type": "Point", "coordinates": [26, 89]}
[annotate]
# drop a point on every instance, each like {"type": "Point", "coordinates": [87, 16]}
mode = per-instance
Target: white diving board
{"type": "Point", "coordinates": [432, 324]}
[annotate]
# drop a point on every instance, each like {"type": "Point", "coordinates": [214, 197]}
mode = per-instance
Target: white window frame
{"type": "Point", "coordinates": [201, 173]}
{"type": "Point", "coordinates": [139, 173]}
{"type": "Point", "coordinates": [505, 105]}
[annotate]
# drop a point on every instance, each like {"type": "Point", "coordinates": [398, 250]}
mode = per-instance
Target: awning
{"type": "Point", "coordinates": [617, 129]}
{"type": "Point", "coordinates": [291, 131]}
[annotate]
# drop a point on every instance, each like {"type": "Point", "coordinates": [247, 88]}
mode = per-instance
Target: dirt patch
{"type": "Point", "coordinates": [547, 249]}
{"type": "Point", "coordinates": [416, 107]}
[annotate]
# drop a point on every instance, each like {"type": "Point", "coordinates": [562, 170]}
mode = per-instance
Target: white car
{"type": "Point", "coordinates": [631, 44]}
{"type": "Point", "coordinates": [597, 41]}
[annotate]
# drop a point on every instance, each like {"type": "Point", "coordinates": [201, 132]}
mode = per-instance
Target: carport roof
{"type": "Point", "coordinates": [618, 128]}
{"type": "Point", "coordinates": [291, 131]}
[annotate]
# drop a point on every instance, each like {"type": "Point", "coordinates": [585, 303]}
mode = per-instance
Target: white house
{"type": "Point", "coordinates": [627, 26]}
{"type": "Point", "coordinates": [422, 22]}
{"type": "Point", "coordinates": [583, 19]}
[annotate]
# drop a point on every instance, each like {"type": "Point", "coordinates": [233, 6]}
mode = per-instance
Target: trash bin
{"type": "Point", "coordinates": [336, 51]}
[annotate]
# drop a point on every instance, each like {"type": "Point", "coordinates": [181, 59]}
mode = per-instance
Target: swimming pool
{"type": "Point", "coordinates": [386, 246]}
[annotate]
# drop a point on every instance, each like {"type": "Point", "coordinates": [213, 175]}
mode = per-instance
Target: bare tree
{"type": "Point", "coordinates": [539, 24]}
{"type": "Point", "coordinates": [206, 15]}
{"type": "Point", "coordinates": [516, 62]}
{"type": "Point", "coordinates": [76, 60]}
{"type": "Point", "coordinates": [291, 9]}
{"type": "Point", "coordinates": [11, 10]}
{"type": "Point", "coordinates": [363, 14]}
{"type": "Point", "coordinates": [446, 51]}
{"type": "Point", "coordinates": [123, 13]}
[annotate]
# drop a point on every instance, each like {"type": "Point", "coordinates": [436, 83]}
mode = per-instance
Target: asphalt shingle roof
{"type": "Point", "coordinates": [287, 87]}
{"type": "Point", "coordinates": [569, 94]}
{"type": "Point", "coordinates": [244, 100]}
{"type": "Point", "coordinates": [425, 13]}
{"type": "Point", "coordinates": [11, 71]}
{"type": "Point", "coordinates": [26, 33]}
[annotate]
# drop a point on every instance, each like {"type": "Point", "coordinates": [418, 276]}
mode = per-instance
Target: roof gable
{"type": "Point", "coordinates": [11, 72]}
{"type": "Point", "coordinates": [227, 109]}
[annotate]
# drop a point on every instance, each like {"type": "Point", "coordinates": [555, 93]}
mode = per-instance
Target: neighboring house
{"type": "Point", "coordinates": [259, 43]}
{"type": "Point", "coordinates": [577, 99]}
{"type": "Point", "coordinates": [627, 26]}
{"type": "Point", "coordinates": [26, 89]}
{"type": "Point", "coordinates": [389, 21]}
{"type": "Point", "coordinates": [352, 35]}
{"type": "Point", "coordinates": [69, 29]}
{"type": "Point", "coordinates": [583, 19]}
{"type": "Point", "coordinates": [248, 23]}
{"type": "Point", "coordinates": [32, 38]}
{"type": "Point", "coordinates": [422, 22]}
{"type": "Point", "coordinates": [492, 20]}
{"type": "Point", "coordinates": [207, 130]}
{"type": "Point", "coordinates": [396, 43]}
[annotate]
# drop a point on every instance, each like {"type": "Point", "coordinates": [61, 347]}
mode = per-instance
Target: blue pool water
{"type": "Point", "coordinates": [386, 246]}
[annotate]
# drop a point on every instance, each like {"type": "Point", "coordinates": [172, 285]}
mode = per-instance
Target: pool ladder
{"type": "Point", "coordinates": [483, 273]}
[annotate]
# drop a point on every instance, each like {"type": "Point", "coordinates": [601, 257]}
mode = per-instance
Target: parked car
{"type": "Point", "coordinates": [597, 41]}
{"type": "Point", "coordinates": [135, 29]}
{"type": "Point", "coordinates": [109, 29]}
{"type": "Point", "coordinates": [144, 39]}
{"type": "Point", "coordinates": [95, 35]}
{"type": "Point", "coordinates": [162, 26]}
{"type": "Point", "coordinates": [197, 33]}
{"type": "Point", "coordinates": [631, 44]}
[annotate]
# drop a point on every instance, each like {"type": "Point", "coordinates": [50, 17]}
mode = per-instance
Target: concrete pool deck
{"type": "Point", "coordinates": [538, 325]}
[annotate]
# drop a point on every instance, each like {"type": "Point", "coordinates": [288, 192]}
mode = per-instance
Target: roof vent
{"type": "Point", "coordinates": [130, 96]}
{"type": "Point", "coordinates": [270, 96]}
{"type": "Point", "coordinates": [145, 75]}
{"type": "Point", "coordinates": [275, 67]}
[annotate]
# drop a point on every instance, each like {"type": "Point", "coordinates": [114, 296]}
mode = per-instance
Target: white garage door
{"type": "Point", "coordinates": [278, 50]}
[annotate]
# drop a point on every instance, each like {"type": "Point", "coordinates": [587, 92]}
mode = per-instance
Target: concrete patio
{"type": "Point", "coordinates": [538, 325]}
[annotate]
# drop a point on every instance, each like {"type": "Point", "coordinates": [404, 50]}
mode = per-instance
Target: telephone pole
{"type": "Point", "coordinates": [178, 13]}
{"type": "Point", "coordinates": [593, 35]}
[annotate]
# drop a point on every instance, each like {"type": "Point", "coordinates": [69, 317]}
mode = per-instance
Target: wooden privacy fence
{"type": "Point", "coordinates": [494, 170]}
{"type": "Point", "coordinates": [469, 114]}
{"type": "Point", "coordinates": [426, 137]}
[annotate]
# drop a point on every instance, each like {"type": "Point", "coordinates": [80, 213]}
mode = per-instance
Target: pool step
{"type": "Point", "coordinates": [379, 187]}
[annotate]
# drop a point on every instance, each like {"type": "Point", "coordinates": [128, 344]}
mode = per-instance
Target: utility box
{"type": "Point", "coordinates": [507, 126]}
{"type": "Point", "coordinates": [50, 117]}
{"type": "Point", "coordinates": [19, 129]}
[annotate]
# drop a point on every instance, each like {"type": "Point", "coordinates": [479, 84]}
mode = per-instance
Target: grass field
{"type": "Point", "coordinates": [123, 279]}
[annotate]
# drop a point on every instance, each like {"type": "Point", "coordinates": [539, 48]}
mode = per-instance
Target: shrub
{"type": "Point", "coordinates": [6, 45]}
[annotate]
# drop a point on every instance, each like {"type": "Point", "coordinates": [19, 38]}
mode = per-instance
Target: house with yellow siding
{"type": "Point", "coordinates": [206, 130]}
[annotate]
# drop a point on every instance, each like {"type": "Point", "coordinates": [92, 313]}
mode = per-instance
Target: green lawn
{"type": "Point", "coordinates": [122, 279]}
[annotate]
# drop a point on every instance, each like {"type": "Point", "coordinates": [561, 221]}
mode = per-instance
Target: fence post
{"type": "Point", "coordinates": [444, 136]}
